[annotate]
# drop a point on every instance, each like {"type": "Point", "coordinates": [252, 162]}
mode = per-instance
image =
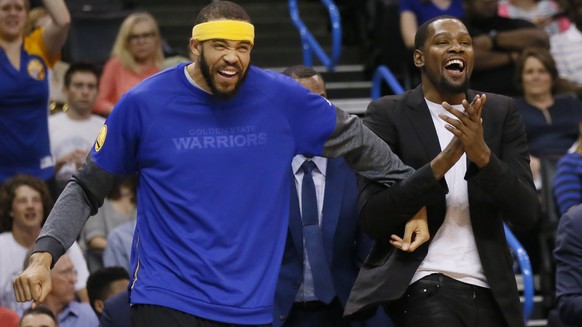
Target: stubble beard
{"type": "Point", "coordinates": [444, 85]}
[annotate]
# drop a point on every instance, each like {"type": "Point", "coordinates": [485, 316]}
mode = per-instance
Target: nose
{"type": "Point", "coordinates": [456, 47]}
{"type": "Point", "coordinates": [230, 56]}
{"type": "Point", "coordinates": [29, 203]}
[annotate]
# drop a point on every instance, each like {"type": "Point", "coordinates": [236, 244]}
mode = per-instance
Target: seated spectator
{"type": "Point", "coordinates": [551, 120]}
{"type": "Point", "coordinates": [568, 179]}
{"type": "Point", "coordinates": [61, 298]}
{"type": "Point", "coordinates": [118, 249]}
{"type": "Point", "coordinates": [137, 54]}
{"type": "Point", "coordinates": [498, 42]}
{"type": "Point", "coordinates": [24, 205]}
{"type": "Point", "coordinates": [39, 316]}
{"type": "Point", "coordinates": [116, 311]}
{"type": "Point", "coordinates": [105, 283]}
{"type": "Point", "coordinates": [8, 318]}
{"type": "Point", "coordinates": [119, 207]}
{"type": "Point", "coordinates": [543, 13]}
{"type": "Point", "coordinates": [73, 132]}
{"type": "Point", "coordinates": [566, 46]}
{"type": "Point", "coordinates": [414, 13]}
{"type": "Point", "coordinates": [568, 256]}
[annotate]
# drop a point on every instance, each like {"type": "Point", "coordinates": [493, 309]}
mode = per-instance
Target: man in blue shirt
{"type": "Point", "coordinates": [61, 298]}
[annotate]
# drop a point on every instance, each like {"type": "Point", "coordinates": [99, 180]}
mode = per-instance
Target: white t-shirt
{"type": "Point", "coordinates": [453, 251]}
{"type": "Point", "coordinates": [12, 256]}
{"type": "Point", "coordinates": [67, 135]}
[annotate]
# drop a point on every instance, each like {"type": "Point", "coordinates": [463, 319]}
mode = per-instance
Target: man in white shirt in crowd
{"type": "Point", "coordinates": [73, 131]}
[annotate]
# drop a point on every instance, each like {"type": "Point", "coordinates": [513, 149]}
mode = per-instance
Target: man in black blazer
{"type": "Point", "coordinates": [463, 276]}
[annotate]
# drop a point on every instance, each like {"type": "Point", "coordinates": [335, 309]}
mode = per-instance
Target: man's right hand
{"type": "Point", "coordinates": [34, 283]}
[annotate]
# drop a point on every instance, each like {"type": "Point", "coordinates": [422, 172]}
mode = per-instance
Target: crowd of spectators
{"type": "Point", "coordinates": [527, 49]}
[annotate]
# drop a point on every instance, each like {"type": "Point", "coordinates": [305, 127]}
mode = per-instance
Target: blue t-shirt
{"type": "Point", "coordinates": [24, 97]}
{"type": "Point", "coordinates": [426, 11]}
{"type": "Point", "coordinates": [214, 187]}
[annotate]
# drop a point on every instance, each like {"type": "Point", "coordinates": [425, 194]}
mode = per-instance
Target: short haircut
{"type": "Point", "coordinates": [40, 309]}
{"type": "Point", "coordinates": [79, 67]}
{"type": "Point", "coordinates": [8, 193]}
{"type": "Point", "coordinates": [422, 32]}
{"type": "Point", "coordinates": [544, 56]}
{"type": "Point", "coordinates": [99, 283]}
{"type": "Point", "coordinates": [222, 10]}
{"type": "Point", "coordinates": [300, 71]}
{"type": "Point", "coordinates": [129, 182]}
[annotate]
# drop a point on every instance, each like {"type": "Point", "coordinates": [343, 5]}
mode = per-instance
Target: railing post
{"type": "Point", "coordinates": [526, 272]}
{"type": "Point", "coordinates": [310, 45]}
{"type": "Point", "coordinates": [383, 73]}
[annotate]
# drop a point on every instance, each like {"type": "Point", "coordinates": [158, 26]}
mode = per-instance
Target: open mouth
{"type": "Point", "coordinates": [227, 73]}
{"type": "Point", "coordinates": [455, 66]}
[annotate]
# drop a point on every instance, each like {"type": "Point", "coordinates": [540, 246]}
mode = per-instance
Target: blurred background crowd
{"type": "Point", "coordinates": [64, 65]}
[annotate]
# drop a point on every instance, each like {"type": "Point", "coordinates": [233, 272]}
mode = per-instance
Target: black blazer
{"type": "Point", "coordinates": [502, 189]}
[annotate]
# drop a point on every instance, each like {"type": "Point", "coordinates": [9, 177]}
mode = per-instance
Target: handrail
{"type": "Point", "coordinates": [310, 44]}
{"type": "Point", "coordinates": [526, 272]}
{"type": "Point", "coordinates": [383, 73]}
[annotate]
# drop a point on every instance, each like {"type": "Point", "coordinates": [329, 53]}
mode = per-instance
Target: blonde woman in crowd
{"type": "Point", "coordinates": [136, 55]}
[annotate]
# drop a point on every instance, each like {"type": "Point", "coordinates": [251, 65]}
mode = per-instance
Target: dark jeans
{"type": "Point", "coordinates": [319, 315]}
{"type": "Point", "coordinates": [440, 301]}
{"type": "Point", "coordinates": [157, 316]}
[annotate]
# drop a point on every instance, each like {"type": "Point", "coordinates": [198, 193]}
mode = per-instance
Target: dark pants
{"type": "Point", "coordinates": [156, 316]}
{"type": "Point", "coordinates": [440, 301]}
{"type": "Point", "coordinates": [316, 314]}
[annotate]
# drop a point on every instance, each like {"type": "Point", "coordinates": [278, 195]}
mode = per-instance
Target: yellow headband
{"type": "Point", "coordinates": [224, 29]}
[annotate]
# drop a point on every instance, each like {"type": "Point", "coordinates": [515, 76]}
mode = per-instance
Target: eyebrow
{"type": "Point", "coordinates": [449, 33]}
{"type": "Point", "coordinates": [226, 41]}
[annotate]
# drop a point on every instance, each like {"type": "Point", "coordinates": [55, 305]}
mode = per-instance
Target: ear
{"type": "Point", "coordinates": [99, 306]}
{"type": "Point", "coordinates": [418, 58]}
{"type": "Point", "coordinates": [195, 46]}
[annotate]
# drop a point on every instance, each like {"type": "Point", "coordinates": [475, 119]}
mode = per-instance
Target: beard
{"type": "Point", "coordinates": [205, 70]}
{"type": "Point", "coordinates": [446, 86]}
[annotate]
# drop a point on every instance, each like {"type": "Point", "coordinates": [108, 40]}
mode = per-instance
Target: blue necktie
{"type": "Point", "coordinates": [322, 282]}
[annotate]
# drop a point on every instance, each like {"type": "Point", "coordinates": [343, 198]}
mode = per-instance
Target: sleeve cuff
{"type": "Point", "coordinates": [50, 245]}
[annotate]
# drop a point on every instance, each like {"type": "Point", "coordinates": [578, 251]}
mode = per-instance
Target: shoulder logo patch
{"type": "Point", "coordinates": [35, 69]}
{"type": "Point", "coordinates": [101, 138]}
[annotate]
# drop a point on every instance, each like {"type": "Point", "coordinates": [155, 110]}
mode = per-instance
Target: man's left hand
{"type": "Point", "coordinates": [415, 233]}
